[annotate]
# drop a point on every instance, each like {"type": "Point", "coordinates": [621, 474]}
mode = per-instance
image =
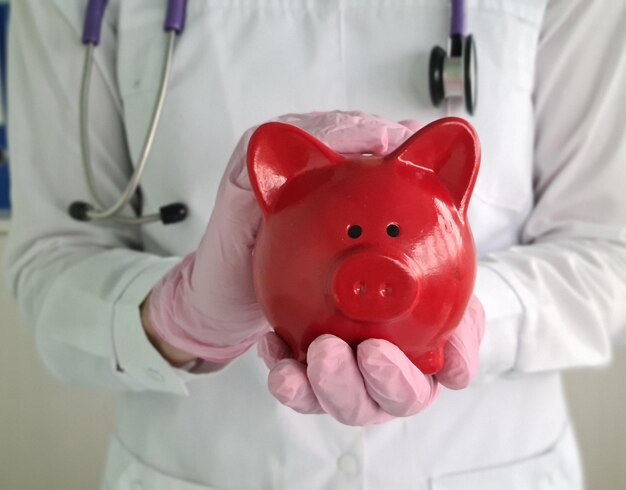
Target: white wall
{"type": "Point", "coordinates": [54, 436]}
{"type": "Point", "coordinates": [598, 405]}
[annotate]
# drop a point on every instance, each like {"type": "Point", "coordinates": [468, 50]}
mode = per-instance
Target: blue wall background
{"type": "Point", "coordinates": [4, 167]}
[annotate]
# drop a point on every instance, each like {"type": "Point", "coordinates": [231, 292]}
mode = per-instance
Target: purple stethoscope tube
{"type": "Point", "coordinates": [457, 19]}
{"type": "Point", "coordinates": [93, 21]}
{"type": "Point", "coordinates": [174, 19]}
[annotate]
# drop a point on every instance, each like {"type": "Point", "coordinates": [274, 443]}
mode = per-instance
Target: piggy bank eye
{"type": "Point", "coordinates": [354, 231]}
{"type": "Point", "coordinates": [393, 230]}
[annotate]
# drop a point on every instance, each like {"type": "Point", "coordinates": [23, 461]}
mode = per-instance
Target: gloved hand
{"type": "Point", "coordinates": [206, 306]}
{"type": "Point", "coordinates": [375, 385]}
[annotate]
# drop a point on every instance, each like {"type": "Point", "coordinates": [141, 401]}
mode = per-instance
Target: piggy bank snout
{"type": "Point", "coordinates": [370, 287]}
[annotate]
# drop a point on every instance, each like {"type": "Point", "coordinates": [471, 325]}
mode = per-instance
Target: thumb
{"type": "Point", "coordinates": [411, 124]}
{"type": "Point", "coordinates": [462, 351]}
{"type": "Point", "coordinates": [224, 255]}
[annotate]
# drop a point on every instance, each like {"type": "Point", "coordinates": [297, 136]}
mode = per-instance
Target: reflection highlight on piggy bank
{"type": "Point", "coordinates": [361, 246]}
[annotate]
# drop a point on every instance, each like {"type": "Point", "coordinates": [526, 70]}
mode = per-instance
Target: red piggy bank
{"type": "Point", "coordinates": [361, 246]}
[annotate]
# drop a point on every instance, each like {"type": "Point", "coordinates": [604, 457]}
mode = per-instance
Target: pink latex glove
{"type": "Point", "coordinates": [206, 306]}
{"type": "Point", "coordinates": [375, 385]}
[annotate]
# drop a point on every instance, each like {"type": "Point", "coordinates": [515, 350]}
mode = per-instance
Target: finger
{"type": "Point", "coordinates": [351, 131]}
{"type": "Point", "coordinates": [392, 379]}
{"type": "Point", "coordinates": [369, 135]}
{"type": "Point", "coordinates": [337, 382]}
{"type": "Point", "coordinates": [289, 384]}
{"type": "Point", "coordinates": [411, 124]}
{"type": "Point", "coordinates": [358, 138]}
{"type": "Point", "coordinates": [461, 352]}
{"type": "Point", "coordinates": [226, 248]}
{"type": "Point", "coordinates": [271, 348]}
{"type": "Point", "coordinates": [235, 198]}
{"type": "Point", "coordinates": [396, 135]}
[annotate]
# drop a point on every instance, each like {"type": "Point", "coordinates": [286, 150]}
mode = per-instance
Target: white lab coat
{"type": "Point", "coordinates": [548, 216]}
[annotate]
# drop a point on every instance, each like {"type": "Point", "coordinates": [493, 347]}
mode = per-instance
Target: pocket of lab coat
{"type": "Point", "coordinates": [556, 468]}
{"type": "Point", "coordinates": [124, 471]}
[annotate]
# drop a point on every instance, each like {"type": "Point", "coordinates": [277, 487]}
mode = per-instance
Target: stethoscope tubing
{"type": "Point", "coordinates": [131, 188]}
{"type": "Point", "coordinates": [457, 18]}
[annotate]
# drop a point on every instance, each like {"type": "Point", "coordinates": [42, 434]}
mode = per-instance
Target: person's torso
{"type": "Point", "coordinates": [242, 62]}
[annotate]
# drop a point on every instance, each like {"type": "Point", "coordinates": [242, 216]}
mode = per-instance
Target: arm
{"type": "Point", "coordinates": [78, 285]}
{"type": "Point", "coordinates": [557, 301]}
{"type": "Point", "coordinates": [81, 284]}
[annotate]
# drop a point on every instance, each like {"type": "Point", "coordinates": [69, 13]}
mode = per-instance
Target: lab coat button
{"type": "Point", "coordinates": [348, 464]}
{"type": "Point", "coordinates": [155, 375]}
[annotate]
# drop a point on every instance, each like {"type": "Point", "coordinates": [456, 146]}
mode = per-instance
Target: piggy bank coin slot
{"type": "Point", "coordinates": [355, 231]}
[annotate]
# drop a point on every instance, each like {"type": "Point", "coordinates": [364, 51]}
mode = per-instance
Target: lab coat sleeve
{"type": "Point", "coordinates": [78, 285]}
{"type": "Point", "coordinates": [558, 300]}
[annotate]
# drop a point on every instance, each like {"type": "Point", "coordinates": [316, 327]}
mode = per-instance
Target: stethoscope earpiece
{"type": "Point", "coordinates": [79, 210]}
{"type": "Point", "coordinates": [173, 213]}
{"type": "Point", "coordinates": [169, 214]}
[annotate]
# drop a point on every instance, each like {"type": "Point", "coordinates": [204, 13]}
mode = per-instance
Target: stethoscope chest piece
{"type": "Point", "coordinates": [455, 75]}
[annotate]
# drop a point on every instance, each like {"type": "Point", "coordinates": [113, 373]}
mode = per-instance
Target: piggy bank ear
{"type": "Point", "coordinates": [450, 148]}
{"type": "Point", "coordinates": [278, 152]}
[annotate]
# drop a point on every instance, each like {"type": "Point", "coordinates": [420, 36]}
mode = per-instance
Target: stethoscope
{"type": "Point", "coordinates": [84, 211]}
{"type": "Point", "coordinates": [452, 75]}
